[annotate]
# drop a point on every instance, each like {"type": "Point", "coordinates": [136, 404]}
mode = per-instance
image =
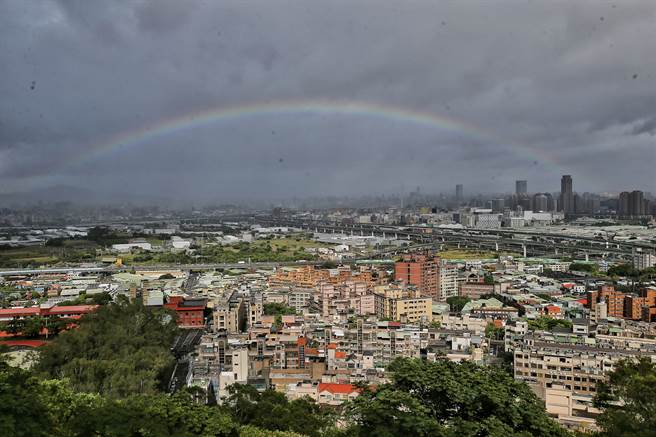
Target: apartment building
{"type": "Point", "coordinates": [475, 290]}
{"type": "Point", "coordinates": [447, 281]}
{"type": "Point", "coordinates": [641, 306]}
{"type": "Point", "coordinates": [406, 305]}
{"type": "Point", "coordinates": [565, 373]}
{"type": "Point", "coordinates": [421, 271]}
{"type": "Point", "coordinates": [300, 298]}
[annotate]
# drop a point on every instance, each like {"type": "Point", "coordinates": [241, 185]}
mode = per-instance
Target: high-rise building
{"type": "Point", "coordinates": [447, 281]}
{"type": "Point", "coordinates": [623, 204]}
{"type": "Point", "coordinates": [644, 260]}
{"type": "Point", "coordinates": [632, 204]}
{"type": "Point", "coordinates": [430, 275]}
{"type": "Point", "coordinates": [459, 192]}
{"type": "Point", "coordinates": [540, 202]}
{"type": "Point", "coordinates": [636, 203]}
{"type": "Point", "coordinates": [420, 271]}
{"type": "Point", "coordinates": [497, 205]}
{"type": "Point", "coordinates": [566, 195]}
{"type": "Point", "coordinates": [521, 188]}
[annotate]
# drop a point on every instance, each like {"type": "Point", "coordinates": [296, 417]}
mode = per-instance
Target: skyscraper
{"type": "Point", "coordinates": [521, 188]}
{"type": "Point", "coordinates": [459, 194]}
{"type": "Point", "coordinates": [623, 204]}
{"type": "Point", "coordinates": [497, 205]}
{"type": "Point", "coordinates": [566, 195]}
{"type": "Point", "coordinates": [540, 202]}
{"type": "Point", "coordinates": [636, 203]}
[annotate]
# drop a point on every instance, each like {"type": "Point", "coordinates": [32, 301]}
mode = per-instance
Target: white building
{"type": "Point", "coordinates": [180, 243]}
{"type": "Point", "coordinates": [126, 247]}
{"type": "Point", "coordinates": [487, 221]}
{"type": "Point", "coordinates": [643, 261]}
{"type": "Point", "coordinates": [448, 281]}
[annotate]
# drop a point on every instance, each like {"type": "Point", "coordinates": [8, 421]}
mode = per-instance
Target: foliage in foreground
{"type": "Point", "coordinates": [120, 350]}
{"type": "Point", "coordinates": [628, 399]}
{"type": "Point", "coordinates": [449, 399]}
{"type": "Point", "coordinates": [273, 411]}
{"type": "Point", "coordinates": [33, 407]}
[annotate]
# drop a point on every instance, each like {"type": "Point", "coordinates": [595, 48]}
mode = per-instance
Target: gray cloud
{"type": "Point", "coordinates": [557, 87]}
{"type": "Point", "coordinates": [647, 126]}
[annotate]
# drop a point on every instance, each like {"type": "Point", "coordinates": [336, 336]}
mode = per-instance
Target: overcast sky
{"type": "Point", "coordinates": [552, 88]}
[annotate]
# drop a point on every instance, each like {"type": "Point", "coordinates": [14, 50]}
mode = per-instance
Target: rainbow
{"type": "Point", "coordinates": [165, 127]}
{"type": "Point", "coordinates": [162, 128]}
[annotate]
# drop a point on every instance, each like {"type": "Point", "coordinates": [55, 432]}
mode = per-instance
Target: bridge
{"type": "Point", "coordinates": [520, 241]}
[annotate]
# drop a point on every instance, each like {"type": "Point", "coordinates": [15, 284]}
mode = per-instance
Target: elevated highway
{"type": "Point", "coordinates": [521, 241]}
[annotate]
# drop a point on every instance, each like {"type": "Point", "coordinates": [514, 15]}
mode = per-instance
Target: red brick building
{"type": "Point", "coordinates": [614, 300]}
{"type": "Point", "coordinates": [623, 305]}
{"type": "Point", "coordinates": [474, 290]}
{"type": "Point", "coordinates": [421, 271]}
{"type": "Point", "coordinates": [190, 312]}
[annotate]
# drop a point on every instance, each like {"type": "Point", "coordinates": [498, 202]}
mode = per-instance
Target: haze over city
{"type": "Point", "coordinates": [337, 218]}
{"type": "Point", "coordinates": [213, 101]}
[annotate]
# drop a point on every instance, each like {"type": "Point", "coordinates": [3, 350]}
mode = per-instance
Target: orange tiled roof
{"type": "Point", "coordinates": [337, 388]}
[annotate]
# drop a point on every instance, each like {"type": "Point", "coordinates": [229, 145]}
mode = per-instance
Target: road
{"type": "Point", "coordinates": [533, 243]}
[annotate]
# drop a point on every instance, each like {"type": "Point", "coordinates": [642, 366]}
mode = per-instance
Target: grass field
{"type": "Point", "coordinates": [43, 255]}
{"type": "Point", "coordinates": [290, 244]}
{"type": "Point", "coordinates": [74, 251]}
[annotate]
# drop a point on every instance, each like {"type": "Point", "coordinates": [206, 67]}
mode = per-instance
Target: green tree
{"type": "Point", "coordinates": [272, 410]}
{"type": "Point", "coordinates": [493, 332]}
{"type": "Point", "coordinates": [583, 267]}
{"type": "Point", "coordinates": [56, 324]}
{"type": "Point", "coordinates": [457, 302]}
{"type": "Point", "coordinates": [278, 309]}
{"type": "Point", "coordinates": [329, 265]}
{"type": "Point", "coordinates": [55, 242]}
{"type": "Point", "coordinates": [121, 349]}
{"type": "Point", "coordinates": [29, 407]}
{"type": "Point", "coordinates": [450, 399]}
{"type": "Point", "coordinates": [628, 399]}
{"type": "Point", "coordinates": [101, 298]}
{"type": "Point", "coordinates": [622, 270]}
{"type": "Point", "coordinates": [32, 326]}
{"type": "Point", "coordinates": [22, 413]}
{"type": "Point", "coordinates": [15, 325]}
{"type": "Point", "coordinates": [544, 323]}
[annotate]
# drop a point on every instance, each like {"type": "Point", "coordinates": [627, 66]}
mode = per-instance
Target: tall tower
{"type": "Point", "coordinates": [623, 204]}
{"type": "Point", "coordinates": [459, 192]}
{"type": "Point", "coordinates": [521, 188]}
{"type": "Point", "coordinates": [636, 203]}
{"type": "Point", "coordinates": [566, 195]}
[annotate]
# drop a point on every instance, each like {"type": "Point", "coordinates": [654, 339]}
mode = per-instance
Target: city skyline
{"type": "Point", "coordinates": [137, 99]}
{"type": "Point", "coordinates": [341, 218]}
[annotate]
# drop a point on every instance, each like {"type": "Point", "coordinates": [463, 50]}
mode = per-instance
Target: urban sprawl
{"type": "Point", "coordinates": [317, 302]}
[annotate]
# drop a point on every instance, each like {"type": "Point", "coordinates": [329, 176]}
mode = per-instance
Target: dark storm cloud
{"type": "Point", "coordinates": [552, 87]}
{"type": "Point", "coordinates": [647, 126]}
